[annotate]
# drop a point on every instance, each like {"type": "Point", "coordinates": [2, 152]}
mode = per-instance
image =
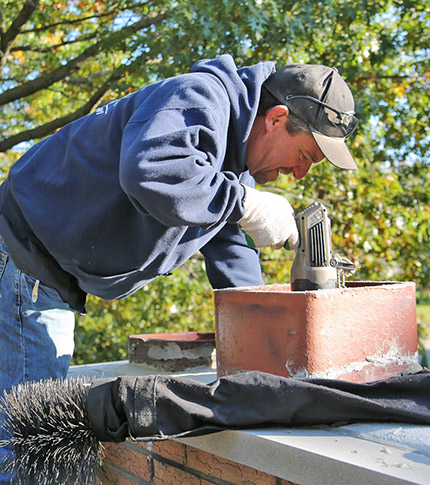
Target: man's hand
{"type": "Point", "coordinates": [268, 219]}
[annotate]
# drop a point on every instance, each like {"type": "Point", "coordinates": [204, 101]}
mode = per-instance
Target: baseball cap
{"type": "Point", "coordinates": [319, 96]}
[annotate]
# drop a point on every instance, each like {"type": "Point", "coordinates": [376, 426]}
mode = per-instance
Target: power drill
{"type": "Point", "coordinates": [314, 267]}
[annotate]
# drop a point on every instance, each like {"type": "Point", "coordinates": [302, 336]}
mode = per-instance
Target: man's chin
{"type": "Point", "coordinates": [261, 178]}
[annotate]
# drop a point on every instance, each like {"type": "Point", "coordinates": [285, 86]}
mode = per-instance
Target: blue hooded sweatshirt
{"type": "Point", "coordinates": [133, 190]}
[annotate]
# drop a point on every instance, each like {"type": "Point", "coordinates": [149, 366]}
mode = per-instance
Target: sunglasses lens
{"type": "Point", "coordinates": [327, 120]}
{"type": "Point", "coordinates": [345, 122]}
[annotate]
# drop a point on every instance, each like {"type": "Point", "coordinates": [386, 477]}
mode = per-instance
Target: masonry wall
{"type": "Point", "coordinates": [173, 463]}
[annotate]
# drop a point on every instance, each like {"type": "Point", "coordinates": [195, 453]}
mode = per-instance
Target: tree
{"type": "Point", "coordinates": [61, 59]}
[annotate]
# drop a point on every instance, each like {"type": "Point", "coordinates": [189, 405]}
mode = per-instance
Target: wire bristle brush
{"type": "Point", "coordinates": [51, 441]}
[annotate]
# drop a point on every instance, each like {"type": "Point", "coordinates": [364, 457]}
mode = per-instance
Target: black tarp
{"type": "Point", "coordinates": [160, 406]}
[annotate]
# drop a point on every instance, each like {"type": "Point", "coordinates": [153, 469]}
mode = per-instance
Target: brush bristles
{"type": "Point", "coordinates": [51, 441]}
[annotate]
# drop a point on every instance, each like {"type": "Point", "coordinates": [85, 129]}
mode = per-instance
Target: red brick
{"type": "Point", "coordinates": [145, 445]}
{"type": "Point", "coordinates": [126, 481]}
{"type": "Point", "coordinates": [170, 449]}
{"type": "Point", "coordinates": [129, 460]}
{"type": "Point", "coordinates": [350, 333]}
{"type": "Point", "coordinates": [108, 476]}
{"type": "Point", "coordinates": [218, 467]}
{"type": "Point", "coordinates": [169, 475]}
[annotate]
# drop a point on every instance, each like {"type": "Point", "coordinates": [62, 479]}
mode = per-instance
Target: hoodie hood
{"type": "Point", "coordinates": [243, 87]}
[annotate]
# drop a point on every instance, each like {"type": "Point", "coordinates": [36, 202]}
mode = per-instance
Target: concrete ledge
{"type": "Point", "coordinates": [321, 455]}
{"type": "Point", "coordinates": [370, 453]}
{"type": "Point", "coordinates": [124, 368]}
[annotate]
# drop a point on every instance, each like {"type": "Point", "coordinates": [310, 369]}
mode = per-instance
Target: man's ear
{"type": "Point", "coordinates": [276, 116]}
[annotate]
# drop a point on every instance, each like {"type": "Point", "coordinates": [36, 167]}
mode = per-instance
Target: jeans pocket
{"type": "Point", "coordinates": [3, 261]}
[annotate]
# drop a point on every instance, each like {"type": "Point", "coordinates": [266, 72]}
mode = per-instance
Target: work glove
{"type": "Point", "coordinates": [268, 219]}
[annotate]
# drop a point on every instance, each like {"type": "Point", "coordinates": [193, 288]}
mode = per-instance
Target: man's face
{"type": "Point", "coordinates": [272, 150]}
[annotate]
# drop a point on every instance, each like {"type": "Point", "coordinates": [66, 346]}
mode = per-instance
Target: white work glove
{"type": "Point", "coordinates": [268, 219]}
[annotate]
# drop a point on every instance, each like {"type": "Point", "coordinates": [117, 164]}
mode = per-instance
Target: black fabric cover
{"type": "Point", "coordinates": [161, 407]}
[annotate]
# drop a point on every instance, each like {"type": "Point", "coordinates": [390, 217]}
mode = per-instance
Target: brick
{"type": "Point", "coordinates": [364, 332]}
{"type": "Point", "coordinates": [170, 449]}
{"type": "Point", "coordinates": [168, 475]}
{"type": "Point", "coordinates": [125, 465]}
{"type": "Point", "coordinates": [127, 481]}
{"type": "Point", "coordinates": [206, 482]}
{"type": "Point", "coordinates": [108, 476]}
{"type": "Point", "coordinates": [172, 352]}
{"type": "Point", "coordinates": [228, 470]}
{"type": "Point", "coordinates": [128, 460]}
{"type": "Point", "coordinates": [145, 445]}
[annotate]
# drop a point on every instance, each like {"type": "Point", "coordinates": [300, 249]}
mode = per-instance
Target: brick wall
{"type": "Point", "coordinates": [173, 463]}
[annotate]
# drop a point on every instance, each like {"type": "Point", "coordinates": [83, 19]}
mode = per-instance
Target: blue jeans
{"type": "Point", "coordinates": [36, 330]}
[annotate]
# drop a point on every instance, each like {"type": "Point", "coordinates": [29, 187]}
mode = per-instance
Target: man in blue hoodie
{"type": "Point", "coordinates": [130, 192]}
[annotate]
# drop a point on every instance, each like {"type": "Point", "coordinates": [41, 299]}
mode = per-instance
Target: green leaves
{"type": "Point", "coordinates": [180, 302]}
{"type": "Point", "coordinates": [64, 59]}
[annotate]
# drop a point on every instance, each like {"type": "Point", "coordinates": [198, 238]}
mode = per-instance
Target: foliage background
{"type": "Point", "coordinates": [60, 59]}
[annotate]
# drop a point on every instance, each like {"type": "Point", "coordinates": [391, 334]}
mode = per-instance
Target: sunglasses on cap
{"type": "Point", "coordinates": [329, 121]}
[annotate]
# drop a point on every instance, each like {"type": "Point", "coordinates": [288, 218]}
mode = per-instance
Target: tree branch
{"type": "Point", "coordinates": [1, 23]}
{"type": "Point", "coordinates": [79, 20]}
{"type": "Point", "coordinates": [61, 72]}
{"type": "Point", "coordinates": [15, 28]}
{"type": "Point", "coordinates": [49, 128]}
{"type": "Point", "coordinates": [359, 81]}
{"type": "Point", "coordinates": [29, 48]}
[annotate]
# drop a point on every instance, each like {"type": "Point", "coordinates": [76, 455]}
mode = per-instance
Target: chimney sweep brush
{"type": "Point", "coordinates": [55, 427]}
{"type": "Point", "coordinates": [51, 441]}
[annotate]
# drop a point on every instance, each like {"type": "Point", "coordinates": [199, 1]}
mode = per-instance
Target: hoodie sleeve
{"type": "Point", "coordinates": [229, 261]}
{"type": "Point", "coordinates": [170, 168]}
